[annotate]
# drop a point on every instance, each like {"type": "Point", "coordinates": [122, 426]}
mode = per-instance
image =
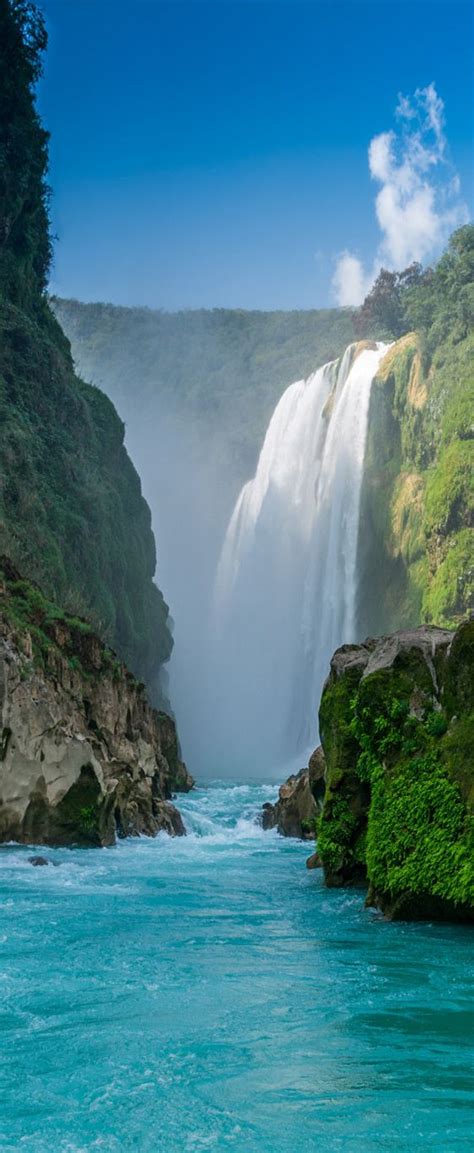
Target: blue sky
{"type": "Point", "coordinates": [215, 154]}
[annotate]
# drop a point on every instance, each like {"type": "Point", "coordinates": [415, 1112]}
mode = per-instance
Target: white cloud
{"type": "Point", "coordinates": [418, 203]}
{"type": "Point", "coordinates": [349, 281]}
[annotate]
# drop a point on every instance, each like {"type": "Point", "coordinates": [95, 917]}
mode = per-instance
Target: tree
{"type": "Point", "coordinates": [25, 245]}
{"type": "Point", "coordinates": [382, 313]}
{"type": "Point", "coordinates": [442, 303]}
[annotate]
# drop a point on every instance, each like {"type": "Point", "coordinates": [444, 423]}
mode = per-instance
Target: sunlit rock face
{"type": "Point", "coordinates": [287, 578]}
{"type": "Point", "coordinates": [84, 757]}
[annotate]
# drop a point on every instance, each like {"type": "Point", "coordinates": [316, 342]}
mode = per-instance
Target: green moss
{"type": "Point", "coordinates": [410, 821]}
{"type": "Point", "coordinates": [449, 500]}
{"type": "Point", "coordinates": [336, 834]}
{"type": "Point", "coordinates": [82, 816]}
{"type": "Point", "coordinates": [458, 674]}
{"type": "Point", "coordinates": [341, 826]}
{"type": "Point", "coordinates": [335, 726]}
{"type": "Point", "coordinates": [87, 819]}
{"type": "Point", "coordinates": [416, 558]}
{"type": "Point", "coordinates": [457, 749]}
{"type": "Point", "coordinates": [419, 837]}
{"type": "Point", "coordinates": [28, 611]}
{"type": "Point", "coordinates": [450, 593]}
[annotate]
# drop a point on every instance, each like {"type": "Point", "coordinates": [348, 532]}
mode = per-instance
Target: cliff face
{"type": "Point", "coordinates": [83, 756]}
{"type": "Point", "coordinates": [299, 802]}
{"type": "Point", "coordinates": [397, 729]}
{"type": "Point", "coordinates": [416, 549]}
{"type": "Point", "coordinates": [221, 371]}
{"type": "Point", "coordinates": [72, 516]}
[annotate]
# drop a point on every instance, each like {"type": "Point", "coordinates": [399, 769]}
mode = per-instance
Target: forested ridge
{"type": "Point", "coordinates": [72, 516]}
{"type": "Point", "coordinates": [223, 369]}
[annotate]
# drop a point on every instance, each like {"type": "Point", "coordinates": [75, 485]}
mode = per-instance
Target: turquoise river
{"type": "Point", "coordinates": [207, 993]}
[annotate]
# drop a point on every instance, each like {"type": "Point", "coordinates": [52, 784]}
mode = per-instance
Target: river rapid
{"type": "Point", "coordinates": [208, 993]}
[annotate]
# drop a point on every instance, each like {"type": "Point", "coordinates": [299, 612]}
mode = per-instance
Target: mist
{"type": "Point", "coordinates": [197, 394]}
{"type": "Point", "coordinates": [253, 535]}
{"type": "Point", "coordinates": [191, 499]}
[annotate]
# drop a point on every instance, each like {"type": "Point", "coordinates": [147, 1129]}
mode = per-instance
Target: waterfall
{"type": "Point", "coordinates": [287, 578]}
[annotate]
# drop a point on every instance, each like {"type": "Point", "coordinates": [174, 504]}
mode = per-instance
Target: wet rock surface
{"type": "Point", "coordinates": [299, 801]}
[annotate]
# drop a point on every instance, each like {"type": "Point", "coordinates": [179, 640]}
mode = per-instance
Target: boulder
{"type": "Point", "coordinates": [397, 729]}
{"type": "Point", "coordinates": [299, 801]}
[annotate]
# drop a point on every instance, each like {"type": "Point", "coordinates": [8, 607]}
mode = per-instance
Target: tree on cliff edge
{"type": "Point", "coordinates": [25, 246]}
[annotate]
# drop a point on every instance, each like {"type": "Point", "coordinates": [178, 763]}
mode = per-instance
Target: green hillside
{"type": "Point", "coordinates": [72, 516]}
{"type": "Point", "coordinates": [224, 369]}
{"type": "Point", "coordinates": [417, 546]}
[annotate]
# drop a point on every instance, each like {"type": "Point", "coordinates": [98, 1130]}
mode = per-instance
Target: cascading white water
{"type": "Point", "coordinates": [287, 580]}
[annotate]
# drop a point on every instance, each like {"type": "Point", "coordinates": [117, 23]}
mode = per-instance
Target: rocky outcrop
{"type": "Point", "coordinates": [415, 554]}
{"type": "Point", "coordinates": [397, 728]}
{"type": "Point", "coordinates": [299, 801]}
{"type": "Point", "coordinates": [83, 756]}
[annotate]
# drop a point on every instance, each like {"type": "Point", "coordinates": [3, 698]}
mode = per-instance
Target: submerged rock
{"type": "Point", "coordinates": [397, 728]}
{"type": "Point", "coordinates": [83, 756]}
{"type": "Point", "coordinates": [299, 801]}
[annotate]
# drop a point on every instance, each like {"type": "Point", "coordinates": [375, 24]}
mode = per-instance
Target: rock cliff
{"type": "Point", "coordinates": [72, 514]}
{"type": "Point", "coordinates": [397, 729]}
{"type": "Point", "coordinates": [299, 802]}
{"type": "Point", "coordinates": [83, 756]}
{"type": "Point", "coordinates": [416, 545]}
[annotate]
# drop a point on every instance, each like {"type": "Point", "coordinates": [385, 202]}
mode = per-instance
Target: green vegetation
{"type": "Point", "coordinates": [407, 825]}
{"type": "Point", "coordinates": [383, 315]}
{"type": "Point", "coordinates": [222, 370]}
{"type": "Point", "coordinates": [417, 554]}
{"type": "Point", "coordinates": [438, 302]}
{"type": "Point", "coordinates": [25, 246]}
{"type": "Point", "coordinates": [29, 613]}
{"type": "Point", "coordinates": [72, 516]}
{"type": "Point", "coordinates": [343, 823]}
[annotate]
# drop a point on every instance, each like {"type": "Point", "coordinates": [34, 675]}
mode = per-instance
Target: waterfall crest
{"type": "Point", "coordinates": [286, 583]}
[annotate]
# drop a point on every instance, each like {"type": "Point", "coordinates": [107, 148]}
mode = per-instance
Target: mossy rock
{"type": "Point", "coordinates": [400, 781]}
{"type": "Point", "coordinates": [416, 549]}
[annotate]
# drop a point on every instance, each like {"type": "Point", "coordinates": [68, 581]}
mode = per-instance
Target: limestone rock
{"type": "Point", "coordinates": [299, 801]}
{"type": "Point", "coordinates": [83, 756]}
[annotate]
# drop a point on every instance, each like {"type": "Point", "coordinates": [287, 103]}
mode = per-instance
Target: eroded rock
{"type": "Point", "coordinates": [83, 756]}
{"type": "Point", "coordinates": [397, 728]}
{"type": "Point", "coordinates": [299, 801]}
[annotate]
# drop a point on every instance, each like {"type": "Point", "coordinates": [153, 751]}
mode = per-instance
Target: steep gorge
{"type": "Point", "coordinates": [72, 516]}
{"type": "Point", "coordinates": [82, 752]}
